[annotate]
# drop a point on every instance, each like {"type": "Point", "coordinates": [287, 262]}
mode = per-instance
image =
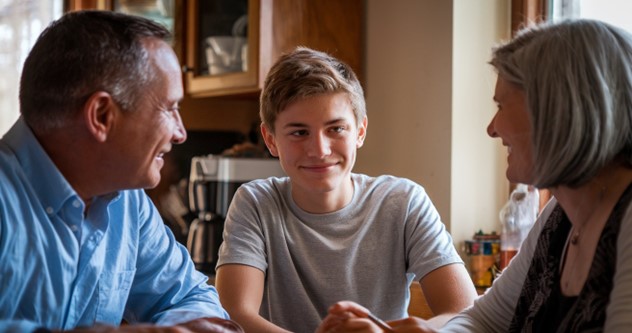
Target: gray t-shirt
{"type": "Point", "coordinates": [369, 251]}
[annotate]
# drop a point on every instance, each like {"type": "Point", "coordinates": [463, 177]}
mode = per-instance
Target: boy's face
{"type": "Point", "coordinates": [316, 139]}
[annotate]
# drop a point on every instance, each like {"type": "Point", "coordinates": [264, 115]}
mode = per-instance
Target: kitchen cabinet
{"type": "Point", "coordinates": [262, 30]}
{"type": "Point", "coordinates": [272, 27]}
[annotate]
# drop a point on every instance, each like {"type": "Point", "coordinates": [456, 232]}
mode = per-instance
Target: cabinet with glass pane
{"type": "Point", "coordinates": [231, 44]}
{"type": "Point", "coordinates": [226, 47]}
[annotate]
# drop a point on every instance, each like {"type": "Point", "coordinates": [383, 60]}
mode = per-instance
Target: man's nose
{"type": "Point", "coordinates": [179, 133]}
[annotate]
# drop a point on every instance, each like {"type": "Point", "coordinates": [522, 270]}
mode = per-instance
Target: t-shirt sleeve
{"type": "Point", "coordinates": [428, 243]}
{"type": "Point", "coordinates": [243, 237]}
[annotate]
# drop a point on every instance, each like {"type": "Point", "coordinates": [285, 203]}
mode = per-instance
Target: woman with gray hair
{"type": "Point", "coordinates": [564, 96]}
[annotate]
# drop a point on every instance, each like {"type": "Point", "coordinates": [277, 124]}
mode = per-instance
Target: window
{"type": "Point", "coordinates": [616, 12]}
{"type": "Point", "coordinates": [21, 22]}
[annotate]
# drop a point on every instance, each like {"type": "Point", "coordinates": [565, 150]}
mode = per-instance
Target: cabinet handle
{"type": "Point", "coordinates": [186, 69]}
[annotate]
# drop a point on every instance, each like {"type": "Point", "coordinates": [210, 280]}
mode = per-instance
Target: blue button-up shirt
{"type": "Point", "coordinates": [60, 269]}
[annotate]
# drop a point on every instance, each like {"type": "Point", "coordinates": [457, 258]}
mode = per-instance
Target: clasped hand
{"type": "Point", "coordinates": [348, 316]}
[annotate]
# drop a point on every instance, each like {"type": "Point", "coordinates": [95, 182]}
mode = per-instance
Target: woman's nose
{"type": "Point", "coordinates": [491, 129]}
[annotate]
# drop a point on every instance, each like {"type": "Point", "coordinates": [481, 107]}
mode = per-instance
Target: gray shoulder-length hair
{"type": "Point", "coordinates": [577, 79]}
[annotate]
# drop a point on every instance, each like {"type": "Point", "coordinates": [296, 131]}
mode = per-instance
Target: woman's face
{"type": "Point", "coordinates": [512, 125]}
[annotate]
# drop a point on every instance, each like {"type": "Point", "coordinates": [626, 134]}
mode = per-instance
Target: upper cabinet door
{"type": "Point", "coordinates": [226, 47]}
{"type": "Point", "coordinates": [222, 47]}
{"type": "Point", "coordinates": [231, 44]}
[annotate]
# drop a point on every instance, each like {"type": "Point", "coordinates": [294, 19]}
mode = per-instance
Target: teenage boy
{"type": "Point", "coordinates": [294, 246]}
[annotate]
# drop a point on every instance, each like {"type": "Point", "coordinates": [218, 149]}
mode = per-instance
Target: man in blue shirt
{"type": "Point", "coordinates": [81, 244]}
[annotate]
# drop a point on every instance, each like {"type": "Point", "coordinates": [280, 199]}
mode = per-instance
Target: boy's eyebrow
{"type": "Point", "coordinates": [329, 122]}
{"type": "Point", "coordinates": [337, 120]}
{"type": "Point", "coordinates": [294, 125]}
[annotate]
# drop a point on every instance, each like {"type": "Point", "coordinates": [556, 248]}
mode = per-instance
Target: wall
{"type": "Point", "coordinates": [408, 92]}
{"type": "Point", "coordinates": [479, 187]}
{"type": "Point", "coordinates": [429, 92]}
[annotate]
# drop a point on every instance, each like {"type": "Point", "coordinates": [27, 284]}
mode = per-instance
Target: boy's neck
{"type": "Point", "coordinates": [324, 202]}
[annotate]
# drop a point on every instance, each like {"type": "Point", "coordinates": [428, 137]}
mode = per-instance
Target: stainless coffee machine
{"type": "Point", "coordinates": [212, 184]}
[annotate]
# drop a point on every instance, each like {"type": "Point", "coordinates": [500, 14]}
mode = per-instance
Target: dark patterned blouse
{"type": "Point", "coordinates": [542, 307]}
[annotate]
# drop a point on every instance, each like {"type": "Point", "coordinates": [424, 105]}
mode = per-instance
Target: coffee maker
{"type": "Point", "coordinates": [212, 184]}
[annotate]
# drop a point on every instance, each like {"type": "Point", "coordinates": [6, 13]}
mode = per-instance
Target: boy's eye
{"type": "Point", "coordinates": [299, 133]}
{"type": "Point", "coordinates": [338, 129]}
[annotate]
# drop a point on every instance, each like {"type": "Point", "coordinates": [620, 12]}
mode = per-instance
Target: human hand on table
{"type": "Point", "coordinates": [201, 325]}
{"type": "Point", "coordinates": [351, 317]}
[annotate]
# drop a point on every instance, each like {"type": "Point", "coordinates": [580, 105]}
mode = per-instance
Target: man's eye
{"type": "Point", "coordinates": [338, 129]}
{"type": "Point", "coordinates": [175, 109]}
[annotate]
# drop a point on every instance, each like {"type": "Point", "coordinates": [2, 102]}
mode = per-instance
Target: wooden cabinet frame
{"type": "Point", "coordinates": [524, 12]}
{"type": "Point", "coordinates": [234, 83]}
{"type": "Point", "coordinates": [276, 27]}
{"type": "Point", "coordinates": [72, 5]}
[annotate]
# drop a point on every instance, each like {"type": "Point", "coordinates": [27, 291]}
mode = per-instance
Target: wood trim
{"type": "Point", "coordinates": [73, 5]}
{"type": "Point", "coordinates": [525, 12]}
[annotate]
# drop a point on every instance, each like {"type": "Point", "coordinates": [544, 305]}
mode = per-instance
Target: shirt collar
{"type": "Point", "coordinates": [48, 183]}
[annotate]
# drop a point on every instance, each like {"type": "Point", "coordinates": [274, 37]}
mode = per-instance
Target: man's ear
{"type": "Point", "coordinates": [99, 112]}
{"type": "Point", "coordinates": [268, 137]}
{"type": "Point", "coordinates": [362, 132]}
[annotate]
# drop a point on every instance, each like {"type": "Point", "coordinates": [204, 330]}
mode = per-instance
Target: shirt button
{"type": "Point", "coordinates": [76, 203]}
{"type": "Point", "coordinates": [49, 210]}
{"type": "Point", "coordinates": [73, 228]}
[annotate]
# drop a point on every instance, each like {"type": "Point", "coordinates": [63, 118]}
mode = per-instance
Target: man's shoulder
{"type": "Point", "coordinates": [10, 169]}
{"type": "Point", "coordinates": [7, 156]}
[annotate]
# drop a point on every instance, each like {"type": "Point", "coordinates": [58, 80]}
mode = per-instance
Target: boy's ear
{"type": "Point", "coordinates": [99, 112]}
{"type": "Point", "coordinates": [268, 137]}
{"type": "Point", "coordinates": [362, 132]}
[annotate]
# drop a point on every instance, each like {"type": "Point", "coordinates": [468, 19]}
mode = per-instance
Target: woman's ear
{"type": "Point", "coordinates": [268, 137]}
{"type": "Point", "coordinates": [362, 132]}
{"type": "Point", "coordinates": [99, 112]}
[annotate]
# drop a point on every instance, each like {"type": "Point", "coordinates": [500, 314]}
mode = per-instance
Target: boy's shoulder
{"type": "Point", "coordinates": [387, 183]}
{"type": "Point", "coordinates": [384, 180]}
{"type": "Point", "coordinates": [264, 187]}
